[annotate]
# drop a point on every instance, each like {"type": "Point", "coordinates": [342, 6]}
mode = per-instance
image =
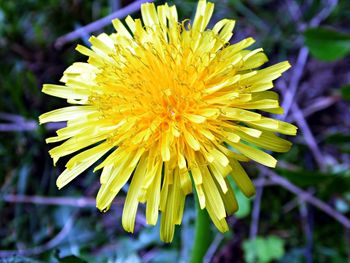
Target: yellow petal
{"type": "Point", "coordinates": [65, 114]}
{"type": "Point", "coordinates": [212, 197]}
{"type": "Point", "coordinates": [149, 14]}
{"type": "Point", "coordinates": [153, 197]}
{"type": "Point", "coordinates": [131, 201]}
{"type": "Point", "coordinates": [82, 162]}
{"type": "Point", "coordinates": [242, 180]}
{"type": "Point", "coordinates": [118, 178]}
{"type": "Point", "coordinates": [230, 202]}
{"type": "Point", "coordinates": [192, 141]}
{"type": "Point", "coordinates": [255, 154]}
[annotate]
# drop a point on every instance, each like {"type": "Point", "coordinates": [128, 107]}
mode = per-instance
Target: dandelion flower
{"type": "Point", "coordinates": [171, 107]}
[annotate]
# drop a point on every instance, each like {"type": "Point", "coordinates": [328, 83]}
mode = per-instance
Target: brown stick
{"type": "Point", "coordinates": [44, 200]}
{"type": "Point", "coordinates": [309, 198]}
{"type": "Point", "coordinates": [98, 24]}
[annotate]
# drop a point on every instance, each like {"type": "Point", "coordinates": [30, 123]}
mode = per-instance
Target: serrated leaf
{"type": "Point", "coordinates": [327, 44]}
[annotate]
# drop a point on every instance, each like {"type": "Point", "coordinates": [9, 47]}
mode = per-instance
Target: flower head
{"type": "Point", "coordinates": [168, 104]}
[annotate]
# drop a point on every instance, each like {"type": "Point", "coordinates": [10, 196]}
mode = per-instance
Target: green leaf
{"type": "Point", "coordinates": [72, 259]}
{"type": "Point", "coordinates": [330, 254]}
{"type": "Point", "coordinates": [243, 204]}
{"type": "Point", "coordinates": [294, 255]}
{"type": "Point", "coordinates": [263, 250]}
{"type": "Point", "coordinates": [327, 44]}
{"type": "Point", "coordinates": [306, 178]}
{"type": "Point", "coordinates": [338, 138]}
{"type": "Point", "coordinates": [345, 92]}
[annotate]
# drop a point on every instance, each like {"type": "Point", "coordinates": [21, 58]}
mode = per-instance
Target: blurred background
{"type": "Point", "coordinates": [301, 211]}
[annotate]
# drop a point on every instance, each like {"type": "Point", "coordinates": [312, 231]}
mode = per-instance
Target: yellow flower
{"type": "Point", "coordinates": [167, 102]}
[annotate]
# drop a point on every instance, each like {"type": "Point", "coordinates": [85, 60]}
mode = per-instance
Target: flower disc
{"type": "Point", "coordinates": [173, 106]}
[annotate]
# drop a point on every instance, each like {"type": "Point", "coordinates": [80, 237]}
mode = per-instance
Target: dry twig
{"type": "Point", "coordinates": [17, 123]}
{"type": "Point", "coordinates": [309, 198]}
{"type": "Point", "coordinates": [98, 24]}
{"type": "Point", "coordinates": [254, 226]}
{"type": "Point", "coordinates": [45, 247]}
{"type": "Point", "coordinates": [308, 136]}
{"type": "Point", "coordinates": [64, 201]}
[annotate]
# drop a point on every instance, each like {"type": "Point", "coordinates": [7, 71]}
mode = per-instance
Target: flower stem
{"type": "Point", "coordinates": [203, 234]}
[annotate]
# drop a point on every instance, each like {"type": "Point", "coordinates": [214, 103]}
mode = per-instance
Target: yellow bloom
{"type": "Point", "coordinates": [168, 102]}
